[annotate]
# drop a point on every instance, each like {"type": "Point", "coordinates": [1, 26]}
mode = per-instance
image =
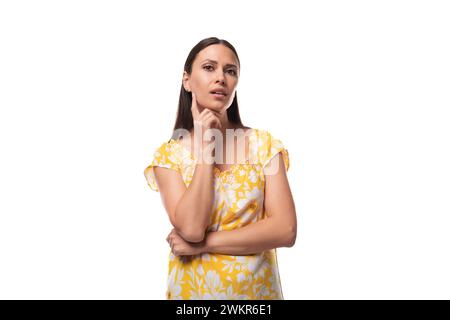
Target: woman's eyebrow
{"type": "Point", "coordinates": [215, 62]}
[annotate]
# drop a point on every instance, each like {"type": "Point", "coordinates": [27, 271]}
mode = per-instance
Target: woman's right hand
{"type": "Point", "coordinates": [206, 119]}
{"type": "Point", "coordinates": [203, 121]}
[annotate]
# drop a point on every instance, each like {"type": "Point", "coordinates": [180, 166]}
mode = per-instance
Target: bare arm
{"type": "Point", "coordinates": [190, 208]}
{"type": "Point", "coordinates": [279, 229]}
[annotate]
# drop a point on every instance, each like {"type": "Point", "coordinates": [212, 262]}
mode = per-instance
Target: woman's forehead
{"type": "Point", "coordinates": [217, 54]}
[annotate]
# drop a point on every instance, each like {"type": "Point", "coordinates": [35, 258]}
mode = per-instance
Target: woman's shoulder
{"type": "Point", "coordinates": [169, 149]}
{"type": "Point", "coordinates": [264, 136]}
{"type": "Point", "coordinates": [268, 145]}
{"type": "Point", "coordinates": [167, 146]}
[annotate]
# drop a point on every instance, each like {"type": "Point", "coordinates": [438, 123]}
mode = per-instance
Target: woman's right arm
{"type": "Point", "coordinates": [190, 208]}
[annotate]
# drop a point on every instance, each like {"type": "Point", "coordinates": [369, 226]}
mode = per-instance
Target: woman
{"type": "Point", "coordinates": [228, 216]}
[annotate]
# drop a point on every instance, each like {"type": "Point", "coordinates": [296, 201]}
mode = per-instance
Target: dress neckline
{"type": "Point", "coordinates": [233, 167]}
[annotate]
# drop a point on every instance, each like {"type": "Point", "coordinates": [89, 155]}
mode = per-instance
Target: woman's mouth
{"type": "Point", "coordinates": [218, 95]}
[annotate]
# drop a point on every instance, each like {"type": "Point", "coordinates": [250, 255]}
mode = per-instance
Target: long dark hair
{"type": "Point", "coordinates": [184, 116]}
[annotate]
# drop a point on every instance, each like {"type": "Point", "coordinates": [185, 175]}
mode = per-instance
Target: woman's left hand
{"type": "Point", "coordinates": [181, 247]}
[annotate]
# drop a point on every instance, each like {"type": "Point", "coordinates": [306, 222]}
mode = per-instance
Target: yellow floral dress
{"type": "Point", "coordinates": [239, 200]}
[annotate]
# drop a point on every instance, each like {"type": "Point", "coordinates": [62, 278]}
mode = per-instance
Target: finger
{"type": "Point", "coordinates": [219, 124]}
{"type": "Point", "coordinates": [204, 112]}
{"type": "Point", "coordinates": [194, 106]}
{"type": "Point", "coordinates": [207, 117]}
{"type": "Point", "coordinates": [210, 122]}
{"type": "Point", "coordinates": [207, 121]}
{"type": "Point", "coordinates": [213, 112]}
{"type": "Point", "coordinates": [216, 113]}
{"type": "Point", "coordinates": [210, 114]}
{"type": "Point", "coordinates": [216, 116]}
{"type": "Point", "coordinates": [216, 122]}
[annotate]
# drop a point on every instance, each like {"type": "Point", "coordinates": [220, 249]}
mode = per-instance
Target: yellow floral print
{"type": "Point", "coordinates": [239, 200]}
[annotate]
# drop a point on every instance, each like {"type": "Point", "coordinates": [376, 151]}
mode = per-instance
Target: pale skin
{"type": "Point", "coordinates": [189, 208]}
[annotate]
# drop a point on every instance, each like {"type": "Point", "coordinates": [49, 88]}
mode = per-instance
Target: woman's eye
{"type": "Point", "coordinates": [211, 68]}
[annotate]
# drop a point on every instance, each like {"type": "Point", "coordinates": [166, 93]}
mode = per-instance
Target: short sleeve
{"type": "Point", "coordinates": [272, 147]}
{"type": "Point", "coordinates": [165, 156]}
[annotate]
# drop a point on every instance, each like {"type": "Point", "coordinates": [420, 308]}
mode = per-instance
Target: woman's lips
{"type": "Point", "coordinates": [218, 95]}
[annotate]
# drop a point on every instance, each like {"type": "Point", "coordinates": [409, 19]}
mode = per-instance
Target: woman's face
{"type": "Point", "coordinates": [214, 77]}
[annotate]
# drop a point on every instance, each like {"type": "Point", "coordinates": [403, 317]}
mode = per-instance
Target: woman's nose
{"type": "Point", "coordinates": [220, 77]}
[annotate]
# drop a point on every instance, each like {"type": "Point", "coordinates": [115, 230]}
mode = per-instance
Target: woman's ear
{"type": "Point", "coordinates": [186, 84]}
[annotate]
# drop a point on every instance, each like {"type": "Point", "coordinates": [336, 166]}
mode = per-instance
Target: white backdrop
{"type": "Point", "coordinates": [358, 91]}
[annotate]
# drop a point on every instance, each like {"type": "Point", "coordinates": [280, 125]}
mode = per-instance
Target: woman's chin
{"type": "Point", "coordinates": [217, 107]}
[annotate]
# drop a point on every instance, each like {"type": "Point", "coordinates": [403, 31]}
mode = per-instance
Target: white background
{"type": "Point", "coordinates": [358, 91]}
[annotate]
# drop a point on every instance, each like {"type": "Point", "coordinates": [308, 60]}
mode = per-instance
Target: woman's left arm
{"type": "Point", "coordinates": [278, 229]}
